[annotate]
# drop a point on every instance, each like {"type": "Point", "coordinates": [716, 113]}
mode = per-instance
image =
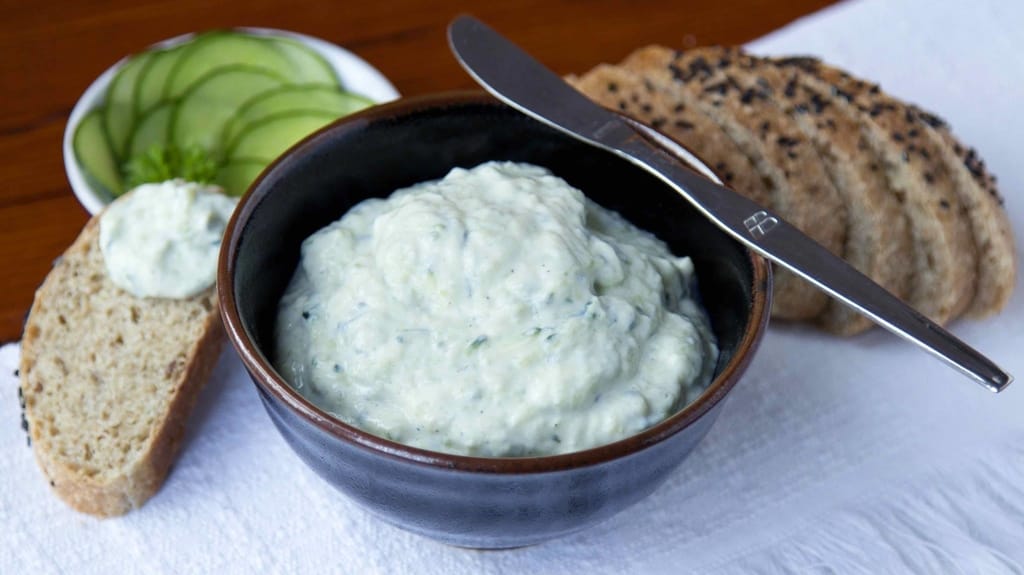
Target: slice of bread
{"type": "Point", "coordinates": [945, 258]}
{"type": "Point", "coordinates": [878, 241]}
{"type": "Point", "coordinates": [997, 254]}
{"type": "Point", "coordinates": [745, 109]}
{"type": "Point", "coordinates": [928, 136]}
{"type": "Point", "coordinates": [109, 379]}
{"type": "Point", "coordinates": [622, 90]}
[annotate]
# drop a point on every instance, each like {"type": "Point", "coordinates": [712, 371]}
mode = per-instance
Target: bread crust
{"type": "Point", "coordinates": [626, 92]}
{"type": "Point", "coordinates": [799, 187]}
{"type": "Point", "coordinates": [945, 255]}
{"type": "Point", "coordinates": [103, 494]}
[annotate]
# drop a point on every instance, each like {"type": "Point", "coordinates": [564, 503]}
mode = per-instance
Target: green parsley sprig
{"type": "Point", "coordinates": [165, 162]}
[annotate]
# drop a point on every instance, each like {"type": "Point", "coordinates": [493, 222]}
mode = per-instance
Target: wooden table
{"type": "Point", "coordinates": [50, 51]}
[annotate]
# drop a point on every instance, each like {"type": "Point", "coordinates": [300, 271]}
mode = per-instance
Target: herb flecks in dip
{"type": "Point", "coordinates": [495, 312]}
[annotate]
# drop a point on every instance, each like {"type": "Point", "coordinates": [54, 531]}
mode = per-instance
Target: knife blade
{"type": "Point", "coordinates": [516, 78]}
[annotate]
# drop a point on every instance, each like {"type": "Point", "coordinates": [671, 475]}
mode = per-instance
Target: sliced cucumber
{"type": "Point", "coordinates": [149, 86]}
{"type": "Point", "coordinates": [152, 128]}
{"type": "Point", "coordinates": [212, 100]}
{"type": "Point", "coordinates": [309, 66]}
{"type": "Point", "coordinates": [266, 140]}
{"type": "Point", "coordinates": [293, 98]}
{"type": "Point", "coordinates": [237, 175]}
{"type": "Point", "coordinates": [119, 108]}
{"type": "Point", "coordinates": [218, 49]}
{"type": "Point", "coordinates": [94, 154]}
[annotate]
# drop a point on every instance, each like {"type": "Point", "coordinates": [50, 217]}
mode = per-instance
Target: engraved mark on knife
{"type": "Point", "coordinates": [760, 223]}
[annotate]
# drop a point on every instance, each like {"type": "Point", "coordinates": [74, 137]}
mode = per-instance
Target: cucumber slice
{"type": "Point", "coordinates": [309, 66]}
{"type": "Point", "coordinates": [236, 176]}
{"type": "Point", "coordinates": [94, 154]}
{"type": "Point", "coordinates": [266, 140]}
{"type": "Point", "coordinates": [212, 100]}
{"type": "Point", "coordinates": [218, 49]}
{"type": "Point", "coordinates": [149, 86]}
{"type": "Point", "coordinates": [152, 128]}
{"type": "Point", "coordinates": [293, 98]}
{"type": "Point", "coordinates": [119, 108]}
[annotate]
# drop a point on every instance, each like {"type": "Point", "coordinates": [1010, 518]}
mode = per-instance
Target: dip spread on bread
{"type": "Point", "coordinates": [162, 240]}
{"type": "Point", "coordinates": [495, 312]}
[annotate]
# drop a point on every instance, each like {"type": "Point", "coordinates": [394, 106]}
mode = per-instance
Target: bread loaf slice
{"type": "Point", "coordinates": [745, 108]}
{"type": "Point", "coordinates": [878, 237]}
{"type": "Point", "coordinates": [993, 236]}
{"type": "Point", "coordinates": [109, 379]}
{"type": "Point", "coordinates": [624, 91]}
{"type": "Point", "coordinates": [928, 136]}
{"type": "Point", "coordinates": [945, 258]}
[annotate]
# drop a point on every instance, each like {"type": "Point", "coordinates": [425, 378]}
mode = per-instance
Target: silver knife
{"type": "Point", "coordinates": [514, 77]}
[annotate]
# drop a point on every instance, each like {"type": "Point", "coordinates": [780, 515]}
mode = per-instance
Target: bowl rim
{"type": "Point", "coordinates": [267, 378]}
{"type": "Point", "coordinates": [345, 64]}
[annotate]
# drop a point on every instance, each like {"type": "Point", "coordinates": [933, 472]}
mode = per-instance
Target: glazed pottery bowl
{"type": "Point", "coordinates": [472, 501]}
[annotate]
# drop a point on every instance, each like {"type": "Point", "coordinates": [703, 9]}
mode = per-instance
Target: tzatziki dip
{"type": "Point", "coordinates": [162, 240]}
{"type": "Point", "coordinates": [496, 312]}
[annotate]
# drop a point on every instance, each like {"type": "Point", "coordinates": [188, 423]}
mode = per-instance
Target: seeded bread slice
{"type": "Point", "coordinates": [619, 89]}
{"type": "Point", "coordinates": [109, 379]}
{"type": "Point", "coordinates": [996, 270]}
{"type": "Point", "coordinates": [945, 258]}
{"type": "Point", "coordinates": [799, 187]}
{"type": "Point", "coordinates": [878, 241]}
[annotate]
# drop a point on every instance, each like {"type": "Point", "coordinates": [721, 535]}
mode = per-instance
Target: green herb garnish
{"type": "Point", "coordinates": [165, 162]}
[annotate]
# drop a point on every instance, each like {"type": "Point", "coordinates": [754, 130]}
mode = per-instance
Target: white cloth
{"type": "Point", "coordinates": [833, 456]}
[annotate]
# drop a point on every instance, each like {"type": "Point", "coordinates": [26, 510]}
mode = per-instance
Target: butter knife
{"type": "Point", "coordinates": [514, 77]}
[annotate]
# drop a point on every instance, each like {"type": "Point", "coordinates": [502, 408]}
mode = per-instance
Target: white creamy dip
{"type": "Point", "coordinates": [162, 240]}
{"type": "Point", "coordinates": [495, 312]}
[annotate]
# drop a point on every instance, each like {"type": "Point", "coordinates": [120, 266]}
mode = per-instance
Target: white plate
{"type": "Point", "coordinates": [355, 74]}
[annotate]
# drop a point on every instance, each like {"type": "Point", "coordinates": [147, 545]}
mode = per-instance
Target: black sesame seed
{"type": "Point", "coordinates": [683, 125]}
{"type": "Point", "coordinates": [790, 89]}
{"type": "Point", "coordinates": [658, 122]}
{"type": "Point", "coordinates": [897, 136]}
{"type": "Point", "coordinates": [613, 87]}
{"type": "Point", "coordinates": [646, 108]}
{"type": "Point", "coordinates": [944, 204]}
{"type": "Point", "coordinates": [679, 108]}
{"type": "Point", "coordinates": [623, 105]}
{"type": "Point", "coordinates": [818, 103]}
{"type": "Point", "coordinates": [305, 315]}
{"type": "Point", "coordinates": [677, 73]}
{"type": "Point", "coordinates": [928, 177]}
{"type": "Point", "coordinates": [721, 88]}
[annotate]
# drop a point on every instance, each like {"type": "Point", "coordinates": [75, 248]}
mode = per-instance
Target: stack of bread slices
{"type": "Point", "coordinates": [877, 181]}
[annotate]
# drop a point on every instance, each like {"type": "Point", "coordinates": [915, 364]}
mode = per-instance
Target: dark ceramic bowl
{"type": "Point", "coordinates": [470, 501]}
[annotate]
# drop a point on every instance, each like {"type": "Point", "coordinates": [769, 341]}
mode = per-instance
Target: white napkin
{"type": "Point", "coordinates": [830, 456]}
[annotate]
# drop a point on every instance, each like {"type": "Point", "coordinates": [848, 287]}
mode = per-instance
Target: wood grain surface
{"type": "Point", "coordinates": [50, 52]}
